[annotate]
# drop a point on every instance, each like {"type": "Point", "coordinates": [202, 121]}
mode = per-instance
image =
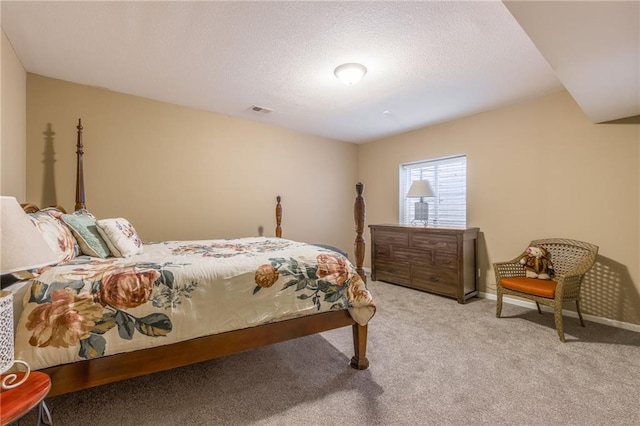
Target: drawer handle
{"type": "Point", "coordinates": [437, 243]}
{"type": "Point", "coordinates": [434, 279]}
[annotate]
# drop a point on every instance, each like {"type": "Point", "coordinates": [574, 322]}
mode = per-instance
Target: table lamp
{"type": "Point", "coordinates": [22, 248]}
{"type": "Point", "coordinates": [421, 189]}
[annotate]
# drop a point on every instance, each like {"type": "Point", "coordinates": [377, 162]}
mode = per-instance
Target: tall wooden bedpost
{"type": "Point", "coordinates": [278, 217]}
{"type": "Point", "coordinates": [359, 245]}
{"type": "Point", "coordinates": [79, 170]}
{"type": "Point", "coordinates": [359, 361]}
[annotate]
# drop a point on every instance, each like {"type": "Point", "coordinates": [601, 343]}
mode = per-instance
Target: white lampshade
{"type": "Point", "coordinates": [21, 244]}
{"type": "Point", "coordinates": [350, 74]}
{"type": "Point", "coordinates": [22, 248]}
{"type": "Point", "coordinates": [420, 188]}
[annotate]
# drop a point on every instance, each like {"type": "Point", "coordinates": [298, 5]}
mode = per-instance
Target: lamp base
{"type": "Point", "coordinates": [421, 210]}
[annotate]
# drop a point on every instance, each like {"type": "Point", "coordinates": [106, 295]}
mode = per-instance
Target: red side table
{"type": "Point", "coordinates": [16, 402]}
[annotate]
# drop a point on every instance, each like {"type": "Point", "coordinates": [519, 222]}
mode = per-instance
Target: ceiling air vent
{"type": "Point", "coordinates": [261, 110]}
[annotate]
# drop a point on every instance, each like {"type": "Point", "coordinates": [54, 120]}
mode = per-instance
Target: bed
{"type": "Point", "coordinates": [92, 320]}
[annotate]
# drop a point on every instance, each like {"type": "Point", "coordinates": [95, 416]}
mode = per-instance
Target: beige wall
{"type": "Point", "coordinates": [180, 173]}
{"type": "Point", "coordinates": [537, 169]}
{"type": "Point", "coordinates": [13, 123]}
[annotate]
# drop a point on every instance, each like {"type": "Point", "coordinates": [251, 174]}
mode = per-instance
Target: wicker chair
{"type": "Point", "coordinates": [571, 260]}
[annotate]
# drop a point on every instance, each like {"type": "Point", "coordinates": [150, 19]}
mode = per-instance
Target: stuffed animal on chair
{"type": "Point", "coordinates": [537, 263]}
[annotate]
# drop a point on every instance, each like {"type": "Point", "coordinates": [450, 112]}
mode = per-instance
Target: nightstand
{"type": "Point", "coordinates": [16, 402]}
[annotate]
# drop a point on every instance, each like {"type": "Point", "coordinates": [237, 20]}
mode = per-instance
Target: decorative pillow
{"type": "Point", "coordinates": [55, 233]}
{"type": "Point", "coordinates": [83, 226]}
{"type": "Point", "coordinates": [120, 236]}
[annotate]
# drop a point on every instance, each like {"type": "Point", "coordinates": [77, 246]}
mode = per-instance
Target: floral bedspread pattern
{"type": "Point", "coordinates": [177, 290]}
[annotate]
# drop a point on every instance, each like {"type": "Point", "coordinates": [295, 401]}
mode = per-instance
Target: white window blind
{"type": "Point", "coordinates": [448, 178]}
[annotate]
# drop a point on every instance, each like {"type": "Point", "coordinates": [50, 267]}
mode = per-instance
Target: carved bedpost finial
{"type": "Point", "coordinates": [80, 203]}
{"type": "Point", "coordinates": [359, 216]}
{"type": "Point", "coordinates": [278, 217]}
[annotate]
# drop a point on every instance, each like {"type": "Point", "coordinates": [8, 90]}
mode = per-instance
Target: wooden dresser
{"type": "Point", "coordinates": [439, 260]}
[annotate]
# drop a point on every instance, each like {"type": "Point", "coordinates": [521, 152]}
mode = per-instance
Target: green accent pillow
{"type": "Point", "coordinates": [83, 226]}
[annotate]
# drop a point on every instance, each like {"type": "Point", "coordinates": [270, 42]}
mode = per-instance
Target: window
{"type": "Point", "coordinates": [448, 178]}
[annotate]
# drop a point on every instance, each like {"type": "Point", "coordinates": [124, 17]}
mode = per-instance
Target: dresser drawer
{"type": "Point", "coordinates": [448, 243]}
{"type": "Point", "coordinates": [396, 239]}
{"type": "Point", "coordinates": [443, 259]}
{"type": "Point", "coordinates": [437, 280]}
{"type": "Point", "coordinates": [394, 272]}
{"type": "Point", "coordinates": [382, 252]}
{"type": "Point", "coordinates": [412, 256]}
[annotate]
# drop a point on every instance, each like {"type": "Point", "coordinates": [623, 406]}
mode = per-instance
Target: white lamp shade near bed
{"type": "Point", "coordinates": [21, 244]}
{"type": "Point", "coordinates": [22, 248]}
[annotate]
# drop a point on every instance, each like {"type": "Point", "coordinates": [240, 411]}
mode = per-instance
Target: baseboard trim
{"type": "Point", "coordinates": [566, 312]}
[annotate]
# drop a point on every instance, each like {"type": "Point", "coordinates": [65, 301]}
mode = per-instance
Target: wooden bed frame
{"type": "Point", "coordinates": [86, 374]}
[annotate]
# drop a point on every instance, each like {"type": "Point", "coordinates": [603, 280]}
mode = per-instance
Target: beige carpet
{"type": "Point", "coordinates": [433, 362]}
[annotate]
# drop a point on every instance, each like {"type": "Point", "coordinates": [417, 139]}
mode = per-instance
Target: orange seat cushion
{"type": "Point", "coordinates": [542, 288]}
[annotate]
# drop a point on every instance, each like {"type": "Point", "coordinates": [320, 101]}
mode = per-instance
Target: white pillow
{"type": "Point", "coordinates": [57, 235]}
{"type": "Point", "coordinates": [120, 236]}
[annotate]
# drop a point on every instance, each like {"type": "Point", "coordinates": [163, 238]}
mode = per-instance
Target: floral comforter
{"type": "Point", "coordinates": [179, 290]}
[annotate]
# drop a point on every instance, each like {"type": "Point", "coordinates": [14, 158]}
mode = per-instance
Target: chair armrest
{"type": "Point", "coordinates": [567, 283]}
{"type": "Point", "coordinates": [509, 269]}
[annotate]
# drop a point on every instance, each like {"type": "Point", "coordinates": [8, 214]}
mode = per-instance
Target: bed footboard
{"type": "Point", "coordinates": [99, 371]}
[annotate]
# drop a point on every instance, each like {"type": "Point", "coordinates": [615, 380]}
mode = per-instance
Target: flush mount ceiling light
{"type": "Point", "coordinates": [350, 74]}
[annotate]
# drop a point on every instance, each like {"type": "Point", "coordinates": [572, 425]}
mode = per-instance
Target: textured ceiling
{"type": "Point", "coordinates": [428, 62]}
